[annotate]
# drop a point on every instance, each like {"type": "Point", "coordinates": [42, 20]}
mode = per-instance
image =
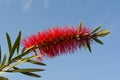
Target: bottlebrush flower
{"type": "Point", "coordinates": [60, 40]}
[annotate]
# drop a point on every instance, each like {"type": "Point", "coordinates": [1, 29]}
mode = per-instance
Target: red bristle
{"type": "Point", "coordinates": [58, 40]}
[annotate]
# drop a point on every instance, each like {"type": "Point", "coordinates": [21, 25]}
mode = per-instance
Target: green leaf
{"type": "Point", "coordinates": [0, 54]}
{"type": "Point", "coordinates": [36, 62]}
{"type": "Point", "coordinates": [3, 61]}
{"type": "Point", "coordinates": [102, 33]}
{"type": "Point", "coordinates": [3, 78]}
{"type": "Point", "coordinates": [28, 73]}
{"type": "Point", "coordinates": [9, 42]}
{"type": "Point", "coordinates": [96, 29]}
{"type": "Point", "coordinates": [88, 46]}
{"type": "Point", "coordinates": [21, 55]}
{"type": "Point", "coordinates": [27, 70]}
{"type": "Point", "coordinates": [30, 57]}
{"type": "Point", "coordinates": [80, 26]}
{"type": "Point", "coordinates": [19, 38]}
{"type": "Point", "coordinates": [19, 62]}
{"type": "Point", "coordinates": [15, 46]}
{"type": "Point", "coordinates": [31, 74]}
{"type": "Point", "coordinates": [97, 40]}
{"type": "Point", "coordinates": [23, 49]}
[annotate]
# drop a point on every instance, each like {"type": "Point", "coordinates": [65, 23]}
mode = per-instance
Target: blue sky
{"type": "Point", "coordinates": [31, 16]}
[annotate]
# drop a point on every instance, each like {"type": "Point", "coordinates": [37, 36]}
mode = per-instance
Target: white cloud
{"type": "Point", "coordinates": [26, 5]}
{"type": "Point", "coordinates": [46, 4]}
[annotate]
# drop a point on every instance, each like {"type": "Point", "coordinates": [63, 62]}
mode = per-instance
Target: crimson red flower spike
{"type": "Point", "coordinates": [59, 40]}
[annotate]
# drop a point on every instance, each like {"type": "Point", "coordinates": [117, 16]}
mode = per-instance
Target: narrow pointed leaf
{"type": "Point", "coordinates": [88, 46]}
{"type": "Point", "coordinates": [23, 49]}
{"type": "Point", "coordinates": [96, 29]}
{"type": "Point", "coordinates": [3, 78]}
{"type": "Point", "coordinates": [102, 33]}
{"type": "Point", "coordinates": [20, 61]}
{"type": "Point", "coordinates": [0, 55]}
{"type": "Point", "coordinates": [3, 60]}
{"type": "Point", "coordinates": [28, 58]}
{"type": "Point", "coordinates": [27, 70]}
{"type": "Point", "coordinates": [15, 45]}
{"type": "Point", "coordinates": [29, 73]}
{"type": "Point", "coordinates": [19, 38]}
{"type": "Point", "coordinates": [9, 42]}
{"type": "Point", "coordinates": [36, 62]}
{"type": "Point", "coordinates": [21, 55]}
{"type": "Point", "coordinates": [97, 40]}
{"type": "Point", "coordinates": [80, 26]}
